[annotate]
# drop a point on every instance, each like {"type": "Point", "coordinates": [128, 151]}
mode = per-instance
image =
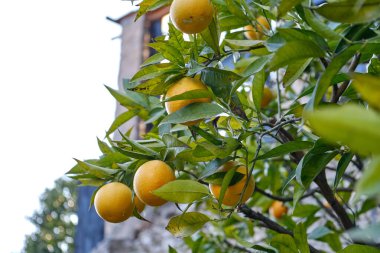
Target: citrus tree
{"type": "Point", "coordinates": [265, 127]}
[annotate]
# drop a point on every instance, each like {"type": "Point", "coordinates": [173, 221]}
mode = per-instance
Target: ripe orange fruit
{"type": "Point", "coordinates": [149, 177]}
{"type": "Point", "coordinates": [257, 32]}
{"type": "Point", "coordinates": [113, 202]}
{"type": "Point", "coordinates": [191, 16]}
{"type": "Point", "coordinates": [233, 192]}
{"type": "Point", "coordinates": [278, 209]}
{"type": "Point", "coordinates": [267, 97]}
{"type": "Point", "coordinates": [182, 86]}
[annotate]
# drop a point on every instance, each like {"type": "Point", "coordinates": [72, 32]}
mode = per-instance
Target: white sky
{"type": "Point", "coordinates": [55, 57]}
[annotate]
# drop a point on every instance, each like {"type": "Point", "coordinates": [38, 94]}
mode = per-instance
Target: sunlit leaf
{"type": "Point", "coordinates": [369, 182]}
{"type": "Point", "coordinates": [187, 224]}
{"type": "Point", "coordinates": [351, 125]}
{"type": "Point", "coordinates": [193, 112]}
{"type": "Point", "coordinates": [349, 11]}
{"type": "Point", "coordinates": [369, 88]}
{"type": "Point", "coordinates": [182, 191]}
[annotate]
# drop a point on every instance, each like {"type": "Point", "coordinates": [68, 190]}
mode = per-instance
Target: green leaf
{"type": "Point", "coordinates": [359, 248]}
{"type": "Point", "coordinates": [341, 168]}
{"type": "Point", "coordinates": [225, 184]}
{"type": "Point", "coordinates": [169, 52]}
{"type": "Point", "coordinates": [152, 71]}
{"type": "Point", "coordinates": [369, 183]}
{"type": "Point", "coordinates": [104, 147]}
{"type": "Point", "coordinates": [244, 43]}
{"type": "Point", "coordinates": [139, 147]}
{"type": "Point", "coordinates": [220, 81]}
{"type": "Point", "coordinates": [300, 238]}
{"type": "Point", "coordinates": [319, 232]}
{"type": "Point", "coordinates": [256, 65]}
{"type": "Point", "coordinates": [311, 167]}
{"type": "Point", "coordinates": [172, 250]}
{"type": "Point", "coordinates": [135, 155]}
{"type": "Point", "coordinates": [220, 151]}
{"type": "Point", "coordinates": [130, 99]}
{"type": "Point", "coordinates": [211, 138]}
{"type": "Point", "coordinates": [369, 88]}
{"type": "Point", "coordinates": [211, 35]}
{"type": "Point", "coordinates": [257, 88]}
{"type": "Point", "coordinates": [158, 85]}
{"type": "Point", "coordinates": [176, 38]}
{"type": "Point", "coordinates": [182, 191]}
{"type": "Point", "coordinates": [349, 11]}
{"type": "Point", "coordinates": [170, 141]}
{"type": "Point", "coordinates": [352, 125]}
{"type": "Point", "coordinates": [193, 112]}
{"type": "Point", "coordinates": [120, 120]}
{"type": "Point", "coordinates": [95, 170]}
{"type": "Point", "coordinates": [217, 178]}
{"type": "Point", "coordinates": [374, 67]}
{"type": "Point", "coordinates": [314, 162]}
{"type": "Point", "coordinates": [150, 5]}
{"type": "Point", "coordinates": [284, 243]}
{"type": "Point", "coordinates": [287, 148]}
{"type": "Point", "coordinates": [266, 248]}
{"type": "Point", "coordinates": [293, 51]}
{"type": "Point", "coordinates": [192, 94]}
{"type": "Point", "coordinates": [319, 27]}
{"type": "Point", "coordinates": [286, 5]}
{"type": "Point", "coordinates": [369, 234]}
{"type": "Point", "coordinates": [294, 71]}
{"type": "Point", "coordinates": [325, 81]}
{"type": "Point", "coordinates": [187, 224]}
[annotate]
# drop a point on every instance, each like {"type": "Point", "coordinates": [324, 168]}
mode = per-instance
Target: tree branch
{"type": "Point", "coordinates": [251, 214]}
{"type": "Point", "coordinates": [343, 87]}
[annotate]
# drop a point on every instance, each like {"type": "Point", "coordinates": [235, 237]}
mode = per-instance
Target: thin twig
{"type": "Point", "coordinates": [343, 87]}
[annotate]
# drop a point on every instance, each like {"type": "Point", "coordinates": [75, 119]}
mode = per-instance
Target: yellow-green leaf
{"type": "Point", "coordinates": [369, 88]}
{"type": "Point", "coordinates": [187, 224]}
{"type": "Point", "coordinates": [352, 125]}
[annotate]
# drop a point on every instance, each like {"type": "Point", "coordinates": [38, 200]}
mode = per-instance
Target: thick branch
{"type": "Point", "coordinates": [251, 214]}
{"type": "Point", "coordinates": [326, 191]}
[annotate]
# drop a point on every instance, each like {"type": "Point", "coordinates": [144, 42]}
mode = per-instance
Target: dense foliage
{"type": "Point", "coordinates": [315, 147]}
{"type": "Point", "coordinates": [55, 222]}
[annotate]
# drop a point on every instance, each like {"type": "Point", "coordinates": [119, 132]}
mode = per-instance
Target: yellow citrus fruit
{"type": "Point", "coordinates": [113, 202]}
{"type": "Point", "coordinates": [182, 86]}
{"type": "Point", "coordinates": [278, 209]}
{"type": "Point", "coordinates": [267, 97]}
{"type": "Point", "coordinates": [233, 192]}
{"type": "Point", "coordinates": [191, 16]}
{"type": "Point", "coordinates": [149, 177]}
{"type": "Point", "coordinates": [140, 206]}
{"type": "Point", "coordinates": [257, 32]}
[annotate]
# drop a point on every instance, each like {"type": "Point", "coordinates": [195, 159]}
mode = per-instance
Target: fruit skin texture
{"type": "Point", "coordinates": [278, 209]}
{"type": "Point", "coordinates": [267, 97]}
{"type": "Point", "coordinates": [149, 177]}
{"type": "Point", "coordinates": [113, 202]}
{"type": "Point", "coordinates": [256, 33]}
{"type": "Point", "coordinates": [182, 86]}
{"type": "Point", "coordinates": [233, 192]}
{"type": "Point", "coordinates": [191, 16]}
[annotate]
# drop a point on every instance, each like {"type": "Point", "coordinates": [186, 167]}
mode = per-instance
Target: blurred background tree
{"type": "Point", "coordinates": [55, 221]}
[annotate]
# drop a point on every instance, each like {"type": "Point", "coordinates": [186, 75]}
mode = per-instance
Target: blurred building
{"type": "Point", "coordinates": [133, 235]}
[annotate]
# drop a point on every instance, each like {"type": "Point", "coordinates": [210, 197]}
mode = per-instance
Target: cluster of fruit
{"type": "Point", "coordinates": [115, 202]}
